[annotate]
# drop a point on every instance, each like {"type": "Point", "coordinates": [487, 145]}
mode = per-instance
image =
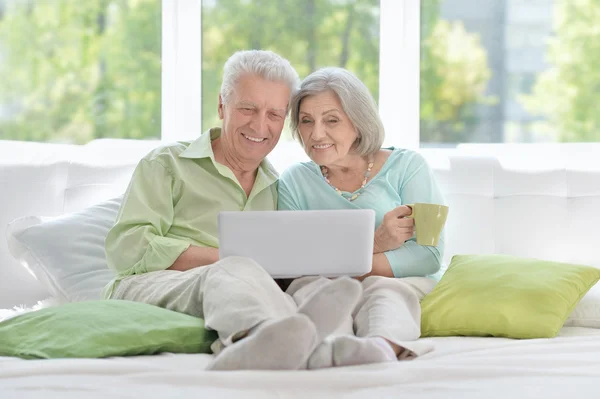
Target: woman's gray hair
{"type": "Point", "coordinates": [357, 103]}
{"type": "Point", "coordinates": [263, 63]}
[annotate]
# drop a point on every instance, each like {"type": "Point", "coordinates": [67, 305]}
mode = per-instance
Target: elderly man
{"type": "Point", "coordinates": [164, 245]}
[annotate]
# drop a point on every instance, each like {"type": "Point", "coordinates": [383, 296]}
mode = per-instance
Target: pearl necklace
{"type": "Point", "coordinates": [325, 173]}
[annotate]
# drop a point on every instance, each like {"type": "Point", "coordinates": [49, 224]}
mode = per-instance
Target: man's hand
{"type": "Point", "coordinates": [394, 230]}
{"type": "Point", "coordinates": [195, 257]}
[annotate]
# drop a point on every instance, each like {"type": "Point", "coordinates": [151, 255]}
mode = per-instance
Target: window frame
{"type": "Point", "coordinates": [181, 87]}
{"type": "Point", "coordinates": [398, 75]}
{"type": "Point", "coordinates": [399, 72]}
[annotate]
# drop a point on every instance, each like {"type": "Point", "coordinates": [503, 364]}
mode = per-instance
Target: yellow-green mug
{"type": "Point", "coordinates": [429, 222]}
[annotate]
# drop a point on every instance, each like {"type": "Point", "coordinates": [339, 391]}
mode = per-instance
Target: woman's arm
{"type": "Point", "coordinates": [417, 183]}
{"type": "Point", "coordinates": [418, 263]}
{"type": "Point", "coordinates": [381, 267]}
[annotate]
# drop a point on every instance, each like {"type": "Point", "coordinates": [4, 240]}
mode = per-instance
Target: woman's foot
{"type": "Point", "coordinates": [349, 350]}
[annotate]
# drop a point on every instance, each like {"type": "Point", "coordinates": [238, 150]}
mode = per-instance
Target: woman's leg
{"type": "Point", "coordinates": [386, 325]}
{"type": "Point", "coordinates": [301, 289]}
{"type": "Point", "coordinates": [390, 309]}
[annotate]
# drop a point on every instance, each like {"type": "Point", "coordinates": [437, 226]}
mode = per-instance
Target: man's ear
{"type": "Point", "coordinates": [220, 109]}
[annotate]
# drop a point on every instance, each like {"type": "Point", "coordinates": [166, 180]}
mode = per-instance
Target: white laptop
{"type": "Point", "coordinates": [290, 244]}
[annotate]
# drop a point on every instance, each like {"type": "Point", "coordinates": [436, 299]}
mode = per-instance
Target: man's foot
{"type": "Point", "coordinates": [351, 351]}
{"type": "Point", "coordinates": [331, 305]}
{"type": "Point", "coordinates": [283, 344]}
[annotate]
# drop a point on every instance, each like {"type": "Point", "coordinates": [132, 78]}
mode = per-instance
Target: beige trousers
{"type": "Point", "coordinates": [236, 294]}
{"type": "Point", "coordinates": [232, 295]}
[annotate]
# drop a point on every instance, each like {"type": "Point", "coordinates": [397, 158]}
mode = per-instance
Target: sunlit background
{"type": "Point", "coordinates": [502, 71]}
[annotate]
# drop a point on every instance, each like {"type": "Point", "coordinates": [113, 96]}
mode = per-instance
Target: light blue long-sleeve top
{"type": "Point", "coordinates": [405, 178]}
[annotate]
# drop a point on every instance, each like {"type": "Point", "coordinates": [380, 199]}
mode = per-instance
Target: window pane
{"type": "Point", "coordinates": [509, 71]}
{"type": "Point", "coordinates": [309, 33]}
{"type": "Point", "coordinates": [73, 71]}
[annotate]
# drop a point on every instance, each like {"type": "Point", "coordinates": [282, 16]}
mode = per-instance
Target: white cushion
{"type": "Point", "coordinates": [66, 253]}
{"type": "Point", "coordinates": [587, 311]}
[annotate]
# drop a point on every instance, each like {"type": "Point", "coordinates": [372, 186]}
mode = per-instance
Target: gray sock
{"type": "Point", "coordinates": [331, 305]}
{"type": "Point", "coordinates": [283, 344]}
{"type": "Point", "coordinates": [350, 351]}
{"type": "Point", "coordinates": [322, 356]}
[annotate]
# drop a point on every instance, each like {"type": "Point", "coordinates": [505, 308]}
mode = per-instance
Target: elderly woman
{"type": "Point", "coordinates": [335, 118]}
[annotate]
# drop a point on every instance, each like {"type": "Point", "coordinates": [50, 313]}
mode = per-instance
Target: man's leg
{"type": "Point", "coordinates": [232, 295]}
{"type": "Point", "coordinates": [239, 299]}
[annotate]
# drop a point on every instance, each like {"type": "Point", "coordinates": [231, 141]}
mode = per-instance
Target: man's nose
{"type": "Point", "coordinates": [259, 123]}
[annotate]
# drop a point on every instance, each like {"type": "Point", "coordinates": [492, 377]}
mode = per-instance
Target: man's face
{"type": "Point", "coordinates": [253, 117]}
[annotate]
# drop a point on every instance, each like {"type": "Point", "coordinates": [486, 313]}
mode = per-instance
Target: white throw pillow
{"type": "Point", "coordinates": [66, 253]}
{"type": "Point", "coordinates": [587, 311]}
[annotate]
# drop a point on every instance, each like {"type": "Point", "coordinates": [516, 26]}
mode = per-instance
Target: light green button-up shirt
{"type": "Point", "coordinates": [172, 202]}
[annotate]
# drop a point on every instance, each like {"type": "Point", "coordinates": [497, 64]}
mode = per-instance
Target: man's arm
{"type": "Point", "coordinates": [138, 242]}
{"type": "Point", "coordinates": [195, 257]}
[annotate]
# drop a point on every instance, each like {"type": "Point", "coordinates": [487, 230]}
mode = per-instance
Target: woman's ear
{"type": "Point", "coordinates": [357, 141]}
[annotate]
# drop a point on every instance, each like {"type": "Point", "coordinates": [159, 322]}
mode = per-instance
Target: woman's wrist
{"type": "Point", "coordinates": [376, 247]}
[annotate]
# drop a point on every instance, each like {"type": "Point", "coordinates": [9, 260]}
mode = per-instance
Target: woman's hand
{"type": "Point", "coordinates": [394, 230]}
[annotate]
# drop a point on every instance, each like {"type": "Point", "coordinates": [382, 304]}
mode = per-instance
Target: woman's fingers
{"type": "Point", "coordinates": [401, 211]}
{"type": "Point", "coordinates": [405, 222]}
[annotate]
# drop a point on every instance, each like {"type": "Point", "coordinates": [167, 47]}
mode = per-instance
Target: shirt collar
{"type": "Point", "coordinates": [202, 148]}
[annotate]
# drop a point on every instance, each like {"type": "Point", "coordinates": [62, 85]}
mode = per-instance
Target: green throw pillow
{"type": "Point", "coordinates": [104, 328]}
{"type": "Point", "coordinates": [504, 296]}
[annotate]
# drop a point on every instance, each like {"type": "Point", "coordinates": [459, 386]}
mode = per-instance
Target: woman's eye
{"type": "Point", "coordinates": [305, 120]}
{"type": "Point", "coordinates": [332, 121]}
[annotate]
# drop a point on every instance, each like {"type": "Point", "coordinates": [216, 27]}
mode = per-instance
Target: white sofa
{"type": "Point", "coordinates": [535, 201]}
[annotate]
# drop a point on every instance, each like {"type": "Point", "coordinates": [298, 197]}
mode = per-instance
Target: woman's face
{"type": "Point", "coordinates": [326, 131]}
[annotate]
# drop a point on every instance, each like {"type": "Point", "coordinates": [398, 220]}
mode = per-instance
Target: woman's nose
{"type": "Point", "coordinates": [318, 131]}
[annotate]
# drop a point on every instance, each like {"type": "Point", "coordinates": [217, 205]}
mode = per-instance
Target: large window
{"type": "Point", "coordinates": [310, 33]}
{"type": "Point", "coordinates": [443, 72]}
{"type": "Point", "coordinates": [73, 71]}
{"type": "Point", "coordinates": [506, 71]}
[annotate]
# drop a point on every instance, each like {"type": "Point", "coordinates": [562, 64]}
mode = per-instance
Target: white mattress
{"type": "Point", "coordinates": [482, 368]}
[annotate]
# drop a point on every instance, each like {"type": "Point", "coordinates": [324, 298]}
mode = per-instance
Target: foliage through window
{"type": "Point", "coordinates": [73, 71]}
{"type": "Point", "coordinates": [310, 33]}
{"type": "Point", "coordinates": [509, 71]}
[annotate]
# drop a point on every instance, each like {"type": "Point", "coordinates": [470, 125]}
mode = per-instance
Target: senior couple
{"type": "Point", "coordinates": [164, 244]}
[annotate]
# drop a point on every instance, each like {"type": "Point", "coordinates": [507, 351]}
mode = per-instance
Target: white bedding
{"type": "Point", "coordinates": [482, 368]}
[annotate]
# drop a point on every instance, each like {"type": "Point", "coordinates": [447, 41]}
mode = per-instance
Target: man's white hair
{"type": "Point", "coordinates": [263, 63]}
